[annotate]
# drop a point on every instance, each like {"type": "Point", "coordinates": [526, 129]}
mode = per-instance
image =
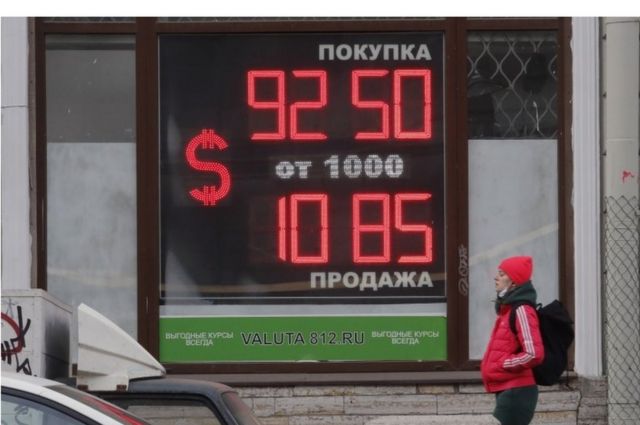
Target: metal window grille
{"type": "Point", "coordinates": [512, 84]}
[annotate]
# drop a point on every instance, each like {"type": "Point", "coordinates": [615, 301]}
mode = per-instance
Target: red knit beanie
{"type": "Point", "coordinates": [517, 268]}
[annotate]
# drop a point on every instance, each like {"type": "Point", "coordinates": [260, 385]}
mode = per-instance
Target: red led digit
{"type": "Point", "coordinates": [277, 104]}
{"type": "Point", "coordinates": [282, 228]}
{"type": "Point", "coordinates": [383, 228]}
{"type": "Point", "coordinates": [317, 104]}
{"type": "Point", "coordinates": [399, 200]}
{"type": "Point", "coordinates": [323, 202]}
{"type": "Point", "coordinates": [383, 134]}
{"type": "Point", "coordinates": [398, 75]}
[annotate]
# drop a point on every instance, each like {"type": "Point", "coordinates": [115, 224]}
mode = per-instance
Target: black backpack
{"type": "Point", "coordinates": [556, 329]}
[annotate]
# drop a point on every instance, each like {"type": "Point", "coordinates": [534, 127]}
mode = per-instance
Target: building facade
{"type": "Point", "coordinates": [313, 209]}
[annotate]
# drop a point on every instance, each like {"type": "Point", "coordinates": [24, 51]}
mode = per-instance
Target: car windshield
{"type": "Point", "coordinates": [239, 409]}
{"type": "Point", "coordinates": [96, 403]}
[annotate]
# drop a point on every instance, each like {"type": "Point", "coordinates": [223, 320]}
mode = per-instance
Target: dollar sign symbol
{"type": "Point", "coordinates": [211, 194]}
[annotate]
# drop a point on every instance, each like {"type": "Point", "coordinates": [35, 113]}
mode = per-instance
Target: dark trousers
{"type": "Point", "coordinates": [516, 406]}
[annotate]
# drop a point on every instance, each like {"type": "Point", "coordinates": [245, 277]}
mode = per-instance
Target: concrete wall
{"type": "Point", "coordinates": [621, 232]}
{"type": "Point", "coordinates": [16, 234]}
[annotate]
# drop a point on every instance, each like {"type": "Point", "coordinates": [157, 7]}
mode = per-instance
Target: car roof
{"type": "Point", "coordinates": [32, 384]}
{"type": "Point", "coordinates": [46, 389]}
{"type": "Point", "coordinates": [177, 385]}
{"type": "Point", "coordinates": [173, 387]}
{"type": "Point", "coordinates": [182, 388]}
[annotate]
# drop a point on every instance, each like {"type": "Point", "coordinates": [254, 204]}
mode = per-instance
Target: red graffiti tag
{"type": "Point", "coordinates": [626, 174]}
{"type": "Point", "coordinates": [9, 321]}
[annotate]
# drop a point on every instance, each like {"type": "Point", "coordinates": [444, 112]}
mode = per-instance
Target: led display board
{"type": "Point", "coordinates": [302, 167]}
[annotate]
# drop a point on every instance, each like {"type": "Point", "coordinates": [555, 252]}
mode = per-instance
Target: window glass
{"type": "Point", "coordinates": [104, 407]}
{"type": "Point", "coordinates": [239, 408]}
{"type": "Point", "coordinates": [91, 174]}
{"type": "Point", "coordinates": [160, 411]}
{"type": "Point", "coordinates": [20, 411]}
{"type": "Point", "coordinates": [513, 210]}
{"type": "Point", "coordinates": [512, 84]}
{"type": "Point", "coordinates": [513, 167]}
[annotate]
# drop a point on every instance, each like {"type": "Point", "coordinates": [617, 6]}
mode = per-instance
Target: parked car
{"type": "Point", "coordinates": [115, 367]}
{"type": "Point", "coordinates": [115, 370]}
{"type": "Point", "coordinates": [184, 401]}
{"type": "Point", "coordinates": [38, 401]}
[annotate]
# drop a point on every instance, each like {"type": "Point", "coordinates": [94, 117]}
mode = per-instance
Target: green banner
{"type": "Point", "coordinates": [302, 338]}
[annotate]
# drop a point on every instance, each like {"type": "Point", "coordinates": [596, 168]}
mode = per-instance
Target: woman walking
{"type": "Point", "coordinates": [506, 366]}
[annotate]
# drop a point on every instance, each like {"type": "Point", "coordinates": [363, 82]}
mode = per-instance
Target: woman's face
{"type": "Point", "coordinates": [502, 280]}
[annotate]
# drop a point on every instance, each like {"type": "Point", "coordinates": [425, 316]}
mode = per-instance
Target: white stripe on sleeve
{"type": "Point", "coordinates": [529, 351]}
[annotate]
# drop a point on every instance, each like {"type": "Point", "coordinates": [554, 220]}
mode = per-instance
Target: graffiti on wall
{"type": "Point", "coordinates": [14, 331]}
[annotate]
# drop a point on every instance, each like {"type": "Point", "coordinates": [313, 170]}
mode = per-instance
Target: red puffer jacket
{"type": "Point", "coordinates": [508, 360]}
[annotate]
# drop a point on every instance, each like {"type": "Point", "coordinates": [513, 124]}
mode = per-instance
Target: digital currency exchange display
{"type": "Point", "coordinates": [301, 169]}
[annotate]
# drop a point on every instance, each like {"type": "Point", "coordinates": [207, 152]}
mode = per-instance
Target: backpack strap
{"type": "Point", "coordinates": [512, 314]}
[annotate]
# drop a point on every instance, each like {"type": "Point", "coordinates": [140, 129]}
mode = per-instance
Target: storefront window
{"type": "Point", "coordinates": [513, 166]}
{"type": "Point", "coordinates": [91, 173]}
{"type": "Point", "coordinates": [301, 191]}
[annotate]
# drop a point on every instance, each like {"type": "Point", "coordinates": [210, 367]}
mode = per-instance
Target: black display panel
{"type": "Point", "coordinates": [303, 167]}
